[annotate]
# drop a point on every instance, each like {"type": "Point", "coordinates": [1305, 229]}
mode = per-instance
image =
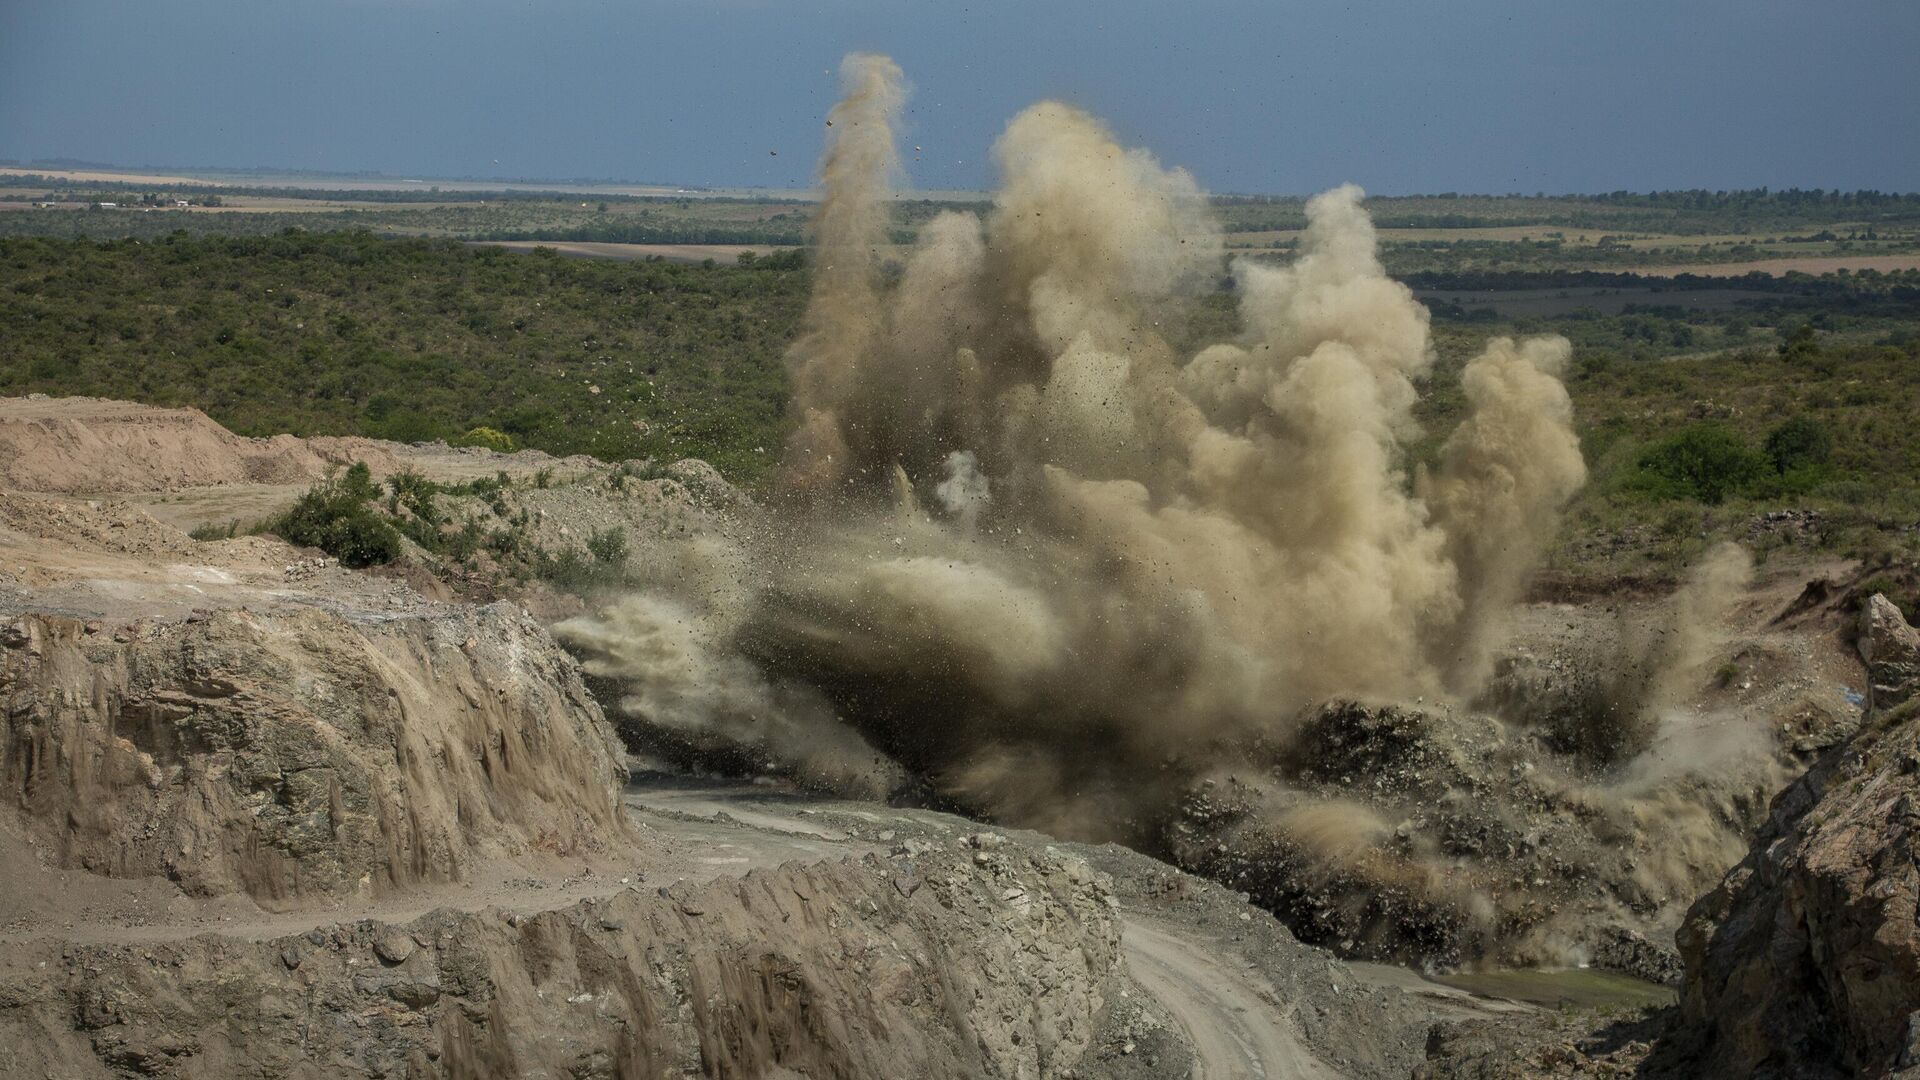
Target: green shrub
{"type": "Point", "coordinates": [336, 515]}
{"type": "Point", "coordinates": [1705, 462]}
{"type": "Point", "coordinates": [571, 570]}
{"type": "Point", "coordinates": [1800, 344]}
{"type": "Point", "coordinates": [1800, 443]}
{"type": "Point", "coordinates": [213, 530]}
{"type": "Point", "coordinates": [608, 546]}
{"type": "Point", "coordinates": [487, 438]}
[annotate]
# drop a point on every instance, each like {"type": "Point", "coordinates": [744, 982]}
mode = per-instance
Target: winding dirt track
{"type": "Point", "coordinates": [1236, 1029]}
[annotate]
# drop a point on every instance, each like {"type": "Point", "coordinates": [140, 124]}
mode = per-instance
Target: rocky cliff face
{"type": "Point", "coordinates": [935, 965]}
{"type": "Point", "coordinates": [1805, 961]}
{"type": "Point", "coordinates": [301, 753]}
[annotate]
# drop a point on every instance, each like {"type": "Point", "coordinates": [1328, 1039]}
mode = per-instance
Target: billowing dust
{"type": "Point", "coordinates": [1027, 552]}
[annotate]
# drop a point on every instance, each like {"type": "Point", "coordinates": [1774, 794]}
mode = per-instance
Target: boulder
{"type": "Point", "coordinates": [1891, 650]}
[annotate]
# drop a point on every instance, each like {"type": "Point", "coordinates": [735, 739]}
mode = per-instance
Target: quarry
{"type": "Point", "coordinates": [1066, 703]}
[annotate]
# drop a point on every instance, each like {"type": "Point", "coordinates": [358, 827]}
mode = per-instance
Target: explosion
{"type": "Point", "coordinates": [1025, 552]}
{"type": "Point", "coordinates": [1129, 559]}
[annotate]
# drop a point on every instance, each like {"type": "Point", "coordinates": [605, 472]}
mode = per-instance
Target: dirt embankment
{"type": "Point", "coordinates": [301, 754]}
{"type": "Point", "coordinates": [1804, 961]}
{"type": "Point", "coordinates": [878, 967]}
{"type": "Point", "coordinates": [91, 445]}
{"type": "Point", "coordinates": [192, 732]}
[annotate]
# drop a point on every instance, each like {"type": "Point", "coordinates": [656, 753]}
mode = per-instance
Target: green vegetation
{"type": "Point", "coordinates": [1700, 413]}
{"type": "Point", "coordinates": [1703, 404]}
{"type": "Point", "coordinates": [337, 517]}
{"type": "Point", "coordinates": [1705, 462]}
{"type": "Point", "coordinates": [488, 439]}
{"type": "Point", "coordinates": [213, 530]}
{"type": "Point", "coordinates": [472, 530]}
{"type": "Point", "coordinates": [344, 333]}
{"type": "Point", "coordinates": [1800, 444]}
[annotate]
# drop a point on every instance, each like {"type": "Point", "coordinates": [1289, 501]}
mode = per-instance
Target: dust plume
{"type": "Point", "coordinates": [1035, 553]}
{"type": "Point", "coordinates": [1515, 453]}
{"type": "Point", "coordinates": [1663, 662]}
{"type": "Point", "coordinates": [681, 681]}
{"type": "Point", "coordinates": [1679, 650]}
{"type": "Point", "coordinates": [1024, 535]}
{"type": "Point", "coordinates": [844, 312]}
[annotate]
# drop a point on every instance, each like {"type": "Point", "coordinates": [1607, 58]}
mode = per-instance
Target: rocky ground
{"type": "Point", "coordinates": [1804, 960]}
{"type": "Point", "coordinates": [1509, 833]}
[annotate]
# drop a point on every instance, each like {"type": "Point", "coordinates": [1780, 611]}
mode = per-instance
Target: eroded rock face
{"type": "Point", "coordinates": [1805, 961]}
{"type": "Point", "coordinates": [996, 969]}
{"type": "Point", "coordinates": [303, 753]}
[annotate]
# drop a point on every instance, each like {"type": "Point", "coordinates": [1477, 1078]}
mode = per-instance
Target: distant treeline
{"type": "Point", "coordinates": [628, 231]}
{"type": "Point", "coordinates": [1889, 282]}
{"type": "Point", "coordinates": [414, 194]}
{"type": "Point", "coordinates": [1692, 212]}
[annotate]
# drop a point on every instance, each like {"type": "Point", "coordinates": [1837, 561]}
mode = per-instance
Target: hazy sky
{"type": "Point", "coordinates": [1272, 96]}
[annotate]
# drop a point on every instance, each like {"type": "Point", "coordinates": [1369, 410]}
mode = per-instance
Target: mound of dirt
{"type": "Point", "coordinates": [931, 965]}
{"type": "Point", "coordinates": [1805, 961]}
{"type": "Point", "coordinates": [302, 752]}
{"type": "Point", "coordinates": [89, 444]}
{"type": "Point", "coordinates": [93, 445]}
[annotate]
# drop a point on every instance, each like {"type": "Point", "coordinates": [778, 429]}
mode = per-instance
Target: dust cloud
{"type": "Point", "coordinates": [1032, 553]}
{"type": "Point", "coordinates": [1125, 559]}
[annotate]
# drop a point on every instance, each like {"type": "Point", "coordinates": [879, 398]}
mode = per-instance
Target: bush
{"type": "Point", "coordinates": [608, 545]}
{"type": "Point", "coordinates": [336, 515]}
{"type": "Point", "coordinates": [1800, 443]}
{"type": "Point", "coordinates": [569, 571]}
{"type": "Point", "coordinates": [213, 530]}
{"type": "Point", "coordinates": [487, 438]}
{"type": "Point", "coordinates": [1800, 344]}
{"type": "Point", "coordinates": [1705, 462]}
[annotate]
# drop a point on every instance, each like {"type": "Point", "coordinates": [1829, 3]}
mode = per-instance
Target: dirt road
{"type": "Point", "coordinates": [1236, 1028]}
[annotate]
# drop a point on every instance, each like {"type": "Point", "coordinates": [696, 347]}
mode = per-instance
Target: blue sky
{"type": "Point", "coordinates": [1400, 97]}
